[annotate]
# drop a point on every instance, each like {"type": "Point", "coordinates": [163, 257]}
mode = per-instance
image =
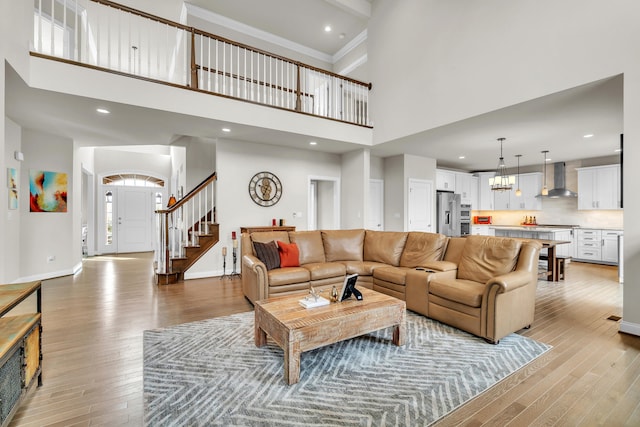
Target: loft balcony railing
{"type": "Point", "coordinates": [111, 37]}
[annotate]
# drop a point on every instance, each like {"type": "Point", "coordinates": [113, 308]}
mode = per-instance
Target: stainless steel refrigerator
{"type": "Point", "coordinates": [448, 213]}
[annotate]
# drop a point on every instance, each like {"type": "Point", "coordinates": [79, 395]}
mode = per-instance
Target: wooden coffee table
{"type": "Point", "coordinates": [297, 329]}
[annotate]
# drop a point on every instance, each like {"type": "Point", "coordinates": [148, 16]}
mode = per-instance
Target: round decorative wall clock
{"type": "Point", "coordinates": [265, 189]}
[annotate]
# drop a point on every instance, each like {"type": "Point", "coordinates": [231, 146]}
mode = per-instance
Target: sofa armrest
{"type": "Point", "coordinates": [510, 281]}
{"type": "Point", "coordinates": [255, 281]}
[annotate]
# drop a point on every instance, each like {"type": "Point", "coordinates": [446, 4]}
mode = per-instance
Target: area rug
{"type": "Point", "coordinates": [210, 373]}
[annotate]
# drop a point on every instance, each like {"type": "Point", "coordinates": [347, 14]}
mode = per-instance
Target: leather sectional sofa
{"type": "Point", "coordinates": [481, 284]}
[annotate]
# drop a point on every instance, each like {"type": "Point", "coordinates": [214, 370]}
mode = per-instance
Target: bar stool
{"type": "Point", "coordinates": [560, 261]}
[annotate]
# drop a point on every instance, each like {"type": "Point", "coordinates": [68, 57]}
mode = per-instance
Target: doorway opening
{"type": "Point", "coordinates": [324, 203]}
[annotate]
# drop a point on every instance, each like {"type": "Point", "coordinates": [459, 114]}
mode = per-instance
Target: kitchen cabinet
{"type": "Point", "coordinates": [462, 184]}
{"type": "Point", "coordinates": [595, 245]}
{"type": "Point", "coordinates": [530, 185]}
{"type": "Point", "coordinates": [532, 232]}
{"type": "Point", "coordinates": [475, 200]}
{"type": "Point", "coordinates": [589, 245]}
{"type": "Point", "coordinates": [485, 194]}
{"type": "Point", "coordinates": [599, 187]}
{"type": "Point", "coordinates": [482, 230]}
{"type": "Point", "coordinates": [445, 180]}
{"type": "Point", "coordinates": [610, 246]}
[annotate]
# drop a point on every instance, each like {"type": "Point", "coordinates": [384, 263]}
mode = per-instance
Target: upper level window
{"type": "Point", "coordinates": [133, 180]}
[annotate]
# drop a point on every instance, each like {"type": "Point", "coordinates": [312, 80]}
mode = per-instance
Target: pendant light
{"type": "Point", "coordinates": [545, 190]}
{"type": "Point", "coordinates": [501, 181]}
{"type": "Point", "coordinates": [518, 190]}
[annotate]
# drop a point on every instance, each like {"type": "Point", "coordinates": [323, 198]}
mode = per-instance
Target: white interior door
{"type": "Point", "coordinates": [376, 205]}
{"type": "Point", "coordinates": [420, 205]}
{"type": "Point", "coordinates": [134, 221]}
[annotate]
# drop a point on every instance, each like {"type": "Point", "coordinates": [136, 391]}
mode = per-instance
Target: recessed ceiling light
{"type": "Point", "coordinates": [327, 28]}
{"type": "Point", "coordinates": [617, 150]}
{"type": "Point", "coordinates": [226, 130]}
{"type": "Point", "coordinates": [102, 111]}
{"type": "Point", "coordinates": [313, 143]}
{"type": "Point", "coordinates": [589, 135]}
{"type": "Point", "coordinates": [461, 157]}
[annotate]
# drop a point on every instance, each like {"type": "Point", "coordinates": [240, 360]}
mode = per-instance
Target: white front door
{"type": "Point", "coordinates": [420, 205]}
{"type": "Point", "coordinates": [134, 220]}
{"type": "Point", "coordinates": [376, 205]}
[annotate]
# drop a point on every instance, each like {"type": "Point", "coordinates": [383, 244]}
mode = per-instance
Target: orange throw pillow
{"type": "Point", "coordinates": [289, 254]}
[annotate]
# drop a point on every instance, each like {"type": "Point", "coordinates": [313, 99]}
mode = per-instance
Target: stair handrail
{"type": "Point", "coordinates": [183, 223]}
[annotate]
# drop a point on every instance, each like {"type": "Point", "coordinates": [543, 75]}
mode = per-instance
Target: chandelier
{"type": "Point", "coordinates": [501, 181]}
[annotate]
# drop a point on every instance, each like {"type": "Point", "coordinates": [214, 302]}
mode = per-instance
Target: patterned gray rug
{"type": "Point", "coordinates": [210, 373]}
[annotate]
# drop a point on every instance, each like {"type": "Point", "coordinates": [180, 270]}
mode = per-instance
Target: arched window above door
{"type": "Point", "coordinates": [133, 180]}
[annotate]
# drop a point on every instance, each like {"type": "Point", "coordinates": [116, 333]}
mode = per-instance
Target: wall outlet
{"type": "Point", "coordinates": [51, 258]}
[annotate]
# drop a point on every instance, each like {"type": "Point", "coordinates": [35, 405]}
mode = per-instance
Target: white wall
{"type": "Point", "coordinates": [237, 162]}
{"type": "Point", "coordinates": [462, 59]}
{"type": "Point", "coordinates": [11, 218]}
{"type": "Point", "coordinates": [394, 203]}
{"type": "Point", "coordinates": [52, 233]}
{"type": "Point", "coordinates": [355, 188]}
{"type": "Point", "coordinates": [456, 60]}
{"type": "Point", "coordinates": [109, 160]}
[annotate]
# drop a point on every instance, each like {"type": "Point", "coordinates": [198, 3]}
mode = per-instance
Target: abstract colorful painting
{"type": "Point", "coordinates": [12, 184]}
{"type": "Point", "coordinates": [48, 191]}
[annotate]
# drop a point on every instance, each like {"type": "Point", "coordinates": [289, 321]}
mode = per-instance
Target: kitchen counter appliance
{"type": "Point", "coordinates": [448, 213]}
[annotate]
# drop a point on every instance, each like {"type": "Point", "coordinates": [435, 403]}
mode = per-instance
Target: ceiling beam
{"type": "Point", "coordinates": [359, 8]}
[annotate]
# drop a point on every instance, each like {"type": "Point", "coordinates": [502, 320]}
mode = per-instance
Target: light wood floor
{"type": "Point", "coordinates": [92, 345]}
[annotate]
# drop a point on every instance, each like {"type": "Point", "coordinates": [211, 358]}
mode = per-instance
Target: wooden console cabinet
{"type": "Point", "coordinates": [267, 228]}
{"type": "Point", "coordinates": [20, 347]}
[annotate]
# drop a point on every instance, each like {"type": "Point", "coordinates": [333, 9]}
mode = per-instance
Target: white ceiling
{"type": "Point", "coordinates": [556, 122]}
{"type": "Point", "coordinates": [300, 21]}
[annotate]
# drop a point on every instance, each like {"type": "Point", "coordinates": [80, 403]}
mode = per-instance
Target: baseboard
{"type": "Point", "coordinates": [630, 328]}
{"type": "Point", "coordinates": [51, 275]}
{"type": "Point", "coordinates": [205, 274]}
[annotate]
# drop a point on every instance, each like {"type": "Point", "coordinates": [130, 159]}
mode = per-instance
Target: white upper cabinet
{"type": "Point", "coordinates": [485, 195]}
{"type": "Point", "coordinates": [445, 180]}
{"type": "Point", "coordinates": [463, 183]}
{"type": "Point", "coordinates": [599, 187]}
{"type": "Point", "coordinates": [530, 185]}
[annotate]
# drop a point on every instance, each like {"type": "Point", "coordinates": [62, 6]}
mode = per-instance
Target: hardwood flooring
{"type": "Point", "coordinates": [92, 345]}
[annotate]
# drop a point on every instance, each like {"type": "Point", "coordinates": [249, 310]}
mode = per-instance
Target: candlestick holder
{"type": "Point", "coordinates": [224, 263]}
{"type": "Point", "coordinates": [235, 259]}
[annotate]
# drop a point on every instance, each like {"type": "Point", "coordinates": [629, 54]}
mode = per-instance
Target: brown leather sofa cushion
{"type": "Point", "coordinates": [422, 248]}
{"type": "Point", "coordinates": [325, 270]}
{"type": "Point", "coordinates": [362, 268]}
{"type": "Point", "coordinates": [484, 257]}
{"type": "Point", "coordinates": [467, 292]}
{"type": "Point", "coordinates": [288, 276]}
{"type": "Point", "coordinates": [310, 246]}
{"type": "Point", "coordinates": [343, 245]}
{"type": "Point", "coordinates": [384, 246]}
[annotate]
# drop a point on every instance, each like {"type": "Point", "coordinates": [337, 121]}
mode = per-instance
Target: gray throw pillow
{"type": "Point", "coordinates": [268, 254]}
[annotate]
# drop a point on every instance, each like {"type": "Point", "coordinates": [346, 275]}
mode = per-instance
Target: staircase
{"type": "Point", "coordinates": [185, 232]}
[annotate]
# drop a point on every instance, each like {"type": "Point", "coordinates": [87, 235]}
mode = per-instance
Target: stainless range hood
{"type": "Point", "coordinates": [559, 188]}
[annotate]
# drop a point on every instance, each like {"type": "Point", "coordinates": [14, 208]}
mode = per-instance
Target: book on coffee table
{"type": "Point", "coordinates": [311, 302]}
